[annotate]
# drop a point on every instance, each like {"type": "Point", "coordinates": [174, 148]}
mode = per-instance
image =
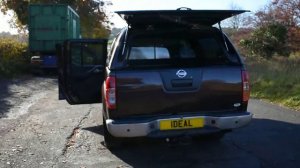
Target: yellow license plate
{"type": "Point", "coordinates": [181, 124]}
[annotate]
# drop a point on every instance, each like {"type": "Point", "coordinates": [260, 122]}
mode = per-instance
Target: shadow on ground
{"type": "Point", "coordinates": [15, 91]}
{"type": "Point", "coordinates": [5, 94]}
{"type": "Point", "coordinates": [95, 129]}
{"type": "Point", "coordinates": [264, 143]}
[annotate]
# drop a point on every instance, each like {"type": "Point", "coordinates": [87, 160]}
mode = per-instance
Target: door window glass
{"type": "Point", "coordinates": [86, 54]}
{"type": "Point", "coordinates": [76, 54]}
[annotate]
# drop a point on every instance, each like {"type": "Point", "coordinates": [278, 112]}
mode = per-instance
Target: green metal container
{"type": "Point", "coordinates": [50, 25]}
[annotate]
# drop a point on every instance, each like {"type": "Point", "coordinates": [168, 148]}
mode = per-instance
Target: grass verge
{"type": "Point", "coordinates": [276, 80]}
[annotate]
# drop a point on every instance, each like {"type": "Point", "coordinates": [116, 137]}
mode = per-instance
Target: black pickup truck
{"type": "Point", "coordinates": [169, 73]}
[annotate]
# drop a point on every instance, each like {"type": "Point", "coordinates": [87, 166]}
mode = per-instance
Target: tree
{"type": "Point", "coordinates": [268, 40]}
{"type": "Point", "coordinates": [94, 21]}
{"type": "Point", "coordinates": [285, 12]}
{"type": "Point", "coordinates": [288, 13]}
{"type": "Point", "coordinates": [237, 21]}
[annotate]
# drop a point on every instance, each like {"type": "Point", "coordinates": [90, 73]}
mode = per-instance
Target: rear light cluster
{"type": "Point", "coordinates": [246, 86]}
{"type": "Point", "coordinates": [110, 92]}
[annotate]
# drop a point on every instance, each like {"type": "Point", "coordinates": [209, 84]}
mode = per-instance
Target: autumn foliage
{"type": "Point", "coordinates": [276, 30]}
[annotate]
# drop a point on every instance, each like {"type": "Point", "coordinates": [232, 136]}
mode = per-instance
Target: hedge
{"type": "Point", "coordinates": [13, 59]}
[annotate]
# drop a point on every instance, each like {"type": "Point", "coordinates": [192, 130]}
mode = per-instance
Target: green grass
{"type": "Point", "coordinates": [276, 80]}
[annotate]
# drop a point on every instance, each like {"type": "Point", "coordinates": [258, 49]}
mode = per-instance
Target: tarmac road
{"type": "Point", "coordinates": [37, 130]}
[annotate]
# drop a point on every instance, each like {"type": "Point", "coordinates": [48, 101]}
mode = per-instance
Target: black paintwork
{"type": "Point", "coordinates": [150, 89]}
{"type": "Point", "coordinates": [148, 92]}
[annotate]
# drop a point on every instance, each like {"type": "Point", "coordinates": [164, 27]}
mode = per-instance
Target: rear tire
{"type": "Point", "coordinates": [110, 141]}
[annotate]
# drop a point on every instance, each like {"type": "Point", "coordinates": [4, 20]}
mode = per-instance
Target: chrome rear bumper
{"type": "Point", "coordinates": [137, 128]}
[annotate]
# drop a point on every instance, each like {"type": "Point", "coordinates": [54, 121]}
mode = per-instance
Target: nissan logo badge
{"type": "Point", "coordinates": [181, 73]}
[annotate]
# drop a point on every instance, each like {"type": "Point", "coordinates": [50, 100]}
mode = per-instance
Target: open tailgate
{"type": "Point", "coordinates": [164, 17]}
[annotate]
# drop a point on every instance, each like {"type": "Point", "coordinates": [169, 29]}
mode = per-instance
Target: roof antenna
{"type": "Point", "coordinates": [183, 8]}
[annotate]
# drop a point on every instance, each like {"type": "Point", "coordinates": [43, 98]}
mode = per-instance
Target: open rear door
{"type": "Point", "coordinates": [81, 68]}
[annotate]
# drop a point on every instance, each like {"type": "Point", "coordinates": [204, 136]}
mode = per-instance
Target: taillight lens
{"type": "Point", "coordinates": [246, 86]}
{"type": "Point", "coordinates": [110, 92]}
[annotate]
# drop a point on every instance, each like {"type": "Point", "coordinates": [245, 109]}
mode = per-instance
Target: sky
{"type": "Point", "coordinates": [120, 5]}
{"type": "Point", "coordinates": [4, 23]}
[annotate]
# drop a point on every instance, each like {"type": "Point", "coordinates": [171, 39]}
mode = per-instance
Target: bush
{"type": "Point", "coordinates": [13, 59]}
{"type": "Point", "coordinates": [267, 41]}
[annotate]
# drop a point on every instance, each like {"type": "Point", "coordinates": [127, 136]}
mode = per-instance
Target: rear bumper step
{"type": "Point", "coordinates": [120, 128]}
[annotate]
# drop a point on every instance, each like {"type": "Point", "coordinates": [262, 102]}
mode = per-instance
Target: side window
{"type": "Point", "coordinates": [113, 48]}
{"type": "Point", "coordinates": [90, 54]}
{"type": "Point", "coordinates": [76, 54]}
{"type": "Point", "coordinates": [86, 54]}
{"type": "Point", "coordinates": [232, 53]}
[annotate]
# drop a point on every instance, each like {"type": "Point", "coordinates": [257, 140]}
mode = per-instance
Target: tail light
{"type": "Point", "coordinates": [246, 86]}
{"type": "Point", "coordinates": [110, 92]}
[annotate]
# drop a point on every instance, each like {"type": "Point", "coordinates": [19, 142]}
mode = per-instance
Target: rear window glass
{"type": "Point", "coordinates": [149, 53]}
{"type": "Point", "coordinates": [178, 48]}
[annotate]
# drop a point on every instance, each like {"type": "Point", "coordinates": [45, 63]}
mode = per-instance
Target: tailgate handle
{"type": "Point", "coordinates": [182, 83]}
